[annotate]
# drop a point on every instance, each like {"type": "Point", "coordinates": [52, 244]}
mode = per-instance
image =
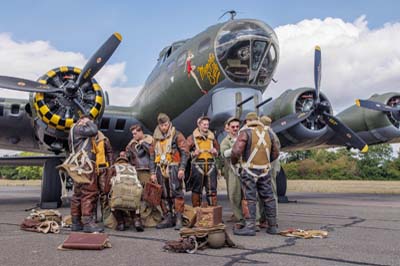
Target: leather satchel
{"type": "Point", "coordinates": [86, 241]}
{"type": "Point", "coordinates": [152, 193]}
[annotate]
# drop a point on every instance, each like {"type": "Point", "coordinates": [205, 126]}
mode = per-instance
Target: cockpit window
{"type": "Point", "coordinates": [236, 60]}
{"type": "Point", "coordinates": [204, 45]}
{"type": "Point", "coordinates": [246, 52]}
{"type": "Point", "coordinates": [258, 50]}
{"type": "Point", "coordinates": [267, 67]}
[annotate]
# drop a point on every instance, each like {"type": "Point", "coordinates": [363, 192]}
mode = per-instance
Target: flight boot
{"type": "Point", "coordinates": [249, 229]}
{"type": "Point", "coordinates": [89, 226]}
{"type": "Point", "coordinates": [167, 222]}
{"type": "Point", "coordinates": [178, 224]}
{"type": "Point", "coordinates": [76, 223]}
{"type": "Point", "coordinates": [213, 199]}
{"type": "Point", "coordinates": [196, 199]}
{"type": "Point", "coordinates": [137, 223]}
{"type": "Point", "coordinates": [272, 226]}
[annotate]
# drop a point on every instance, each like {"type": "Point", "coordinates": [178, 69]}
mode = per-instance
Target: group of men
{"type": "Point", "coordinates": [168, 159]}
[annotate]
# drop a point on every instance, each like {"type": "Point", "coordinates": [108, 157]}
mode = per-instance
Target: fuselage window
{"type": "Point", "coordinates": [167, 54]}
{"type": "Point", "coordinates": [204, 45]}
{"type": "Point", "coordinates": [105, 123]}
{"type": "Point", "coordinates": [120, 125]}
{"type": "Point", "coordinates": [15, 109]}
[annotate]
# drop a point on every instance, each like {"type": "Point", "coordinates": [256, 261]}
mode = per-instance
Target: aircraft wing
{"type": "Point", "coordinates": [27, 160]}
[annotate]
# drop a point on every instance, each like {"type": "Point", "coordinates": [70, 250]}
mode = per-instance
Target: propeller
{"type": "Point", "coordinates": [377, 106]}
{"type": "Point", "coordinates": [318, 111]}
{"type": "Point", "coordinates": [68, 88]}
{"type": "Point", "coordinates": [99, 58]}
{"type": "Point", "coordinates": [26, 85]}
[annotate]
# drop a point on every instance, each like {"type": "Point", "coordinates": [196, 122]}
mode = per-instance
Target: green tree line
{"type": "Point", "coordinates": [21, 172]}
{"type": "Point", "coordinates": [377, 164]}
{"type": "Point", "coordinates": [340, 164]}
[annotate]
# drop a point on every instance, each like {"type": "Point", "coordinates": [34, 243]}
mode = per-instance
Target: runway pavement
{"type": "Point", "coordinates": [364, 229]}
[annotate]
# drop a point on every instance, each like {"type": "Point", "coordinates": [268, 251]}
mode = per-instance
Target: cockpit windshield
{"type": "Point", "coordinates": [247, 52]}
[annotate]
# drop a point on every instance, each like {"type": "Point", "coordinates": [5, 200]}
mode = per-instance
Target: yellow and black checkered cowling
{"type": "Point", "coordinates": [52, 117]}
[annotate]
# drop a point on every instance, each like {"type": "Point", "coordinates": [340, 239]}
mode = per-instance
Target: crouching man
{"type": "Point", "coordinates": [126, 193]}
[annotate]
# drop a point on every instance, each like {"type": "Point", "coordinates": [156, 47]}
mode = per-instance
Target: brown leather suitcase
{"type": "Point", "coordinates": [208, 216]}
{"type": "Point", "coordinates": [86, 241]}
{"type": "Point", "coordinates": [152, 193]}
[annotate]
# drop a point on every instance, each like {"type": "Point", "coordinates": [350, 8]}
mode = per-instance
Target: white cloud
{"type": "Point", "coordinates": [356, 61]}
{"type": "Point", "coordinates": [31, 60]}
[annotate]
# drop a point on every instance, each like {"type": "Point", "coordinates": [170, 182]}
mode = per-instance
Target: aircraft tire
{"type": "Point", "coordinates": [51, 183]}
{"type": "Point", "coordinates": [281, 183]}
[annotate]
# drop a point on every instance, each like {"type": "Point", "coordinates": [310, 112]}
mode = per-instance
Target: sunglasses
{"type": "Point", "coordinates": [234, 126]}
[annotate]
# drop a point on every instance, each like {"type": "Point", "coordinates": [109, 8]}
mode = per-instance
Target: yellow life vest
{"type": "Point", "coordinates": [204, 144]}
{"type": "Point", "coordinates": [164, 154]}
{"type": "Point", "coordinates": [98, 148]}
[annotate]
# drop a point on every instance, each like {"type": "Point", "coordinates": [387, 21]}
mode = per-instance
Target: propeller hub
{"type": "Point", "coordinates": [70, 88]}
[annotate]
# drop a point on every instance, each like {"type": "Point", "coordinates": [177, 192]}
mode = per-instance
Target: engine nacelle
{"type": "Point", "coordinates": [56, 112]}
{"type": "Point", "coordinates": [308, 132]}
{"type": "Point", "coordinates": [374, 126]}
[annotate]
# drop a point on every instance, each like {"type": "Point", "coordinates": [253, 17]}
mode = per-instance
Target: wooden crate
{"type": "Point", "coordinates": [208, 216]}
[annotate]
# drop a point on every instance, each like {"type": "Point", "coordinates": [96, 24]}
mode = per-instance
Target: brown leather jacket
{"type": "Point", "coordinates": [79, 133]}
{"type": "Point", "coordinates": [109, 151]}
{"type": "Point", "coordinates": [138, 153]}
{"type": "Point", "coordinates": [178, 145]}
{"type": "Point", "coordinates": [242, 146]}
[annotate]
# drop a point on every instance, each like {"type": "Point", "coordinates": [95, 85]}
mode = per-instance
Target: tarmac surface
{"type": "Point", "coordinates": [364, 229]}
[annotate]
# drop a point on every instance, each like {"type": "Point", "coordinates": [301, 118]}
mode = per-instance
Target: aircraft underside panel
{"type": "Point", "coordinates": [16, 126]}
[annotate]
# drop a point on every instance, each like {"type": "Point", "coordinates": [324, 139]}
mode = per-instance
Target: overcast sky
{"type": "Point", "coordinates": [360, 41]}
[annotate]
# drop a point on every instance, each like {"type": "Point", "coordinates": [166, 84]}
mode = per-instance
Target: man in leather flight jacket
{"type": "Point", "coordinates": [168, 158]}
{"type": "Point", "coordinates": [84, 197]}
{"type": "Point", "coordinates": [256, 147]}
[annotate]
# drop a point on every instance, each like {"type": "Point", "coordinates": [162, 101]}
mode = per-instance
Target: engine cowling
{"type": "Point", "coordinates": [374, 126]}
{"type": "Point", "coordinates": [56, 113]}
{"type": "Point", "coordinates": [296, 101]}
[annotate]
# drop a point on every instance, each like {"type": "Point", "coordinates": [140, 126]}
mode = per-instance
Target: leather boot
{"type": "Point", "coordinates": [213, 199]}
{"type": "Point", "coordinates": [272, 226]}
{"type": "Point", "coordinates": [167, 222]}
{"type": "Point", "coordinates": [120, 227]}
{"type": "Point", "coordinates": [76, 223]}
{"type": "Point", "coordinates": [178, 224]}
{"type": "Point", "coordinates": [137, 223]}
{"type": "Point", "coordinates": [120, 220]}
{"type": "Point", "coordinates": [248, 230]}
{"type": "Point", "coordinates": [196, 200]}
{"type": "Point", "coordinates": [89, 226]}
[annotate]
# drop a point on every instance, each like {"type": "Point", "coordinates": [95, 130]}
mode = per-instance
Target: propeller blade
{"type": "Point", "coordinates": [99, 58]}
{"type": "Point", "coordinates": [289, 121]}
{"type": "Point", "coordinates": [317, 72]}
{"type": "Point", "coordinates": [339, 127]}
{"type": "Point", "coordinates": [375, 106]}
{"type": "Point", "coordinates": [18, 84]}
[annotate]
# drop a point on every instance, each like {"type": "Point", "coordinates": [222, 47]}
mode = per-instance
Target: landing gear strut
{"type": "Point", "coordinates": [51, 185]}
{"type": "Point", "coordinates": [281, 184]}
